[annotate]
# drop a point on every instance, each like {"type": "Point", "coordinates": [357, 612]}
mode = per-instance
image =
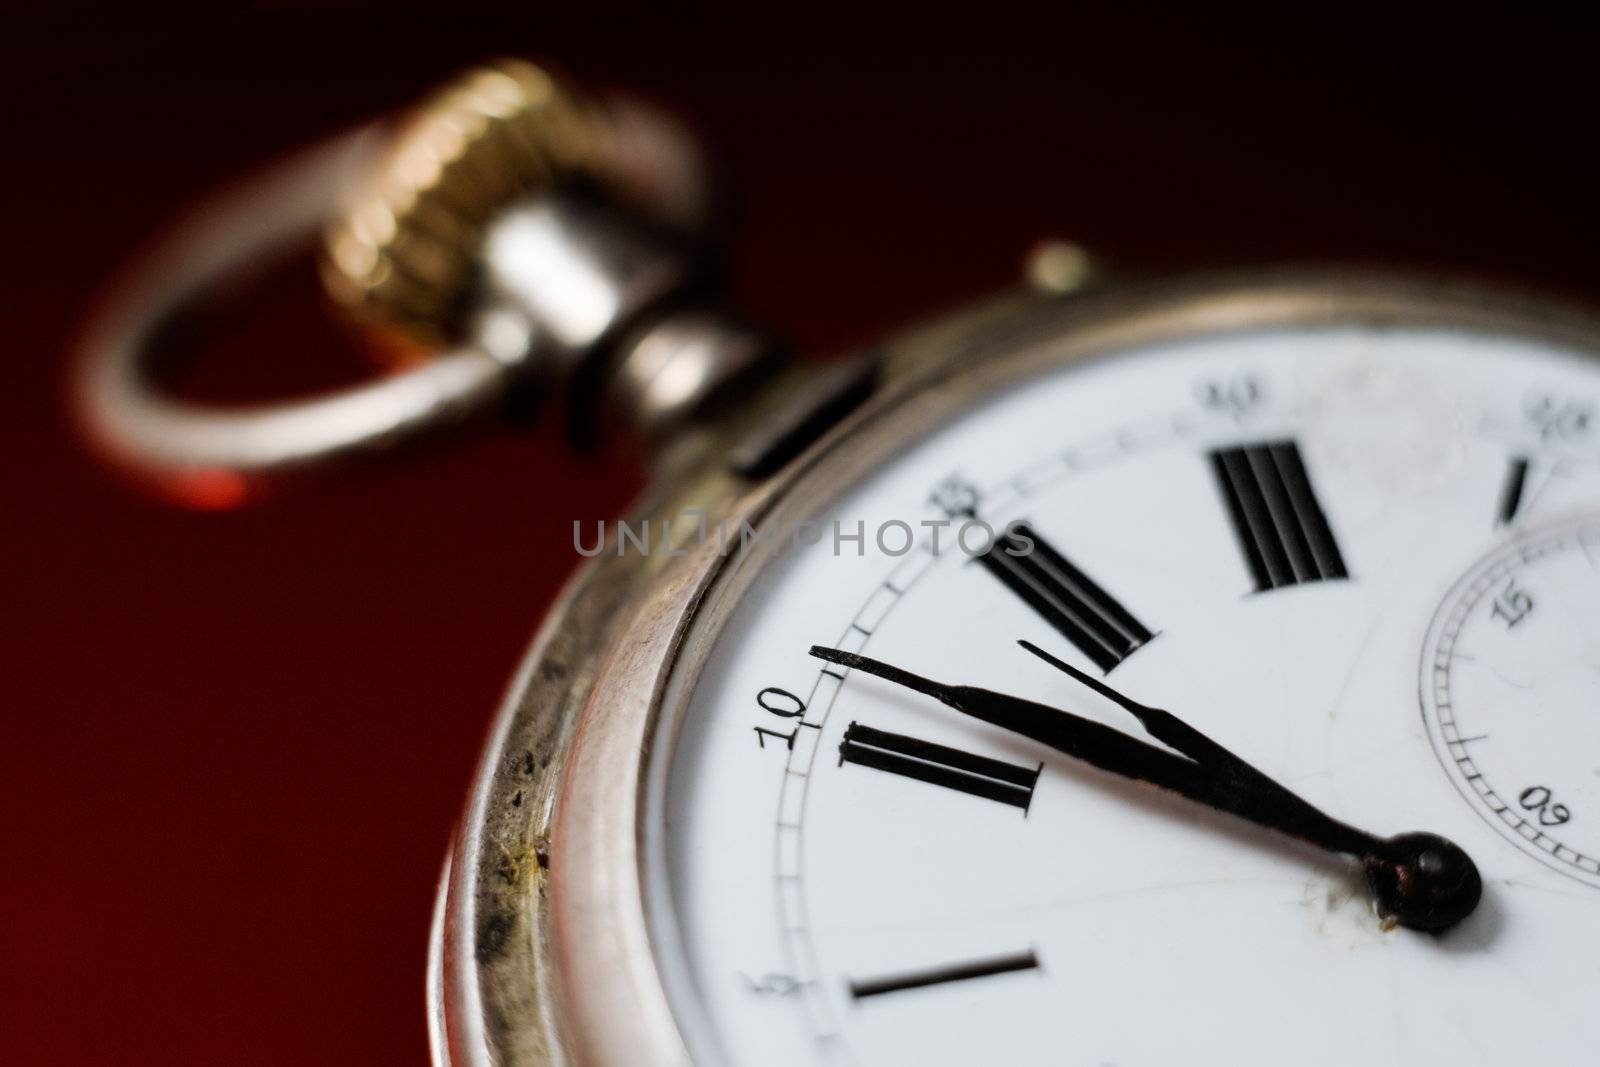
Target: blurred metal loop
{"type": "Point", "coordinates": [216, 457]}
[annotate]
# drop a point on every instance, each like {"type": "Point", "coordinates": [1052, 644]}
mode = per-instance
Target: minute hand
{"type": "Point", "coordinates": [1210, 775]}
{"type": "Point", "coordinates": [1420, 880]}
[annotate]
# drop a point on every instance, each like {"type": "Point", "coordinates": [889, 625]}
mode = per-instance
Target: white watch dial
{"type": "Point", "coordinates": [1265, 533]}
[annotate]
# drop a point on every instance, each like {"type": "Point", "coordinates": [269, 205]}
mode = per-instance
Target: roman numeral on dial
{"type": "Point", "coordinates": [1512, 490]}
{"type": "Point", "coordinates": [940, 765]}
{"type": "Point", "coordinates": [1281, 527]}
{"type": "Point", "coordinates": [1064, 596]}
{"type": "Point", "coordinates": [860, 988]}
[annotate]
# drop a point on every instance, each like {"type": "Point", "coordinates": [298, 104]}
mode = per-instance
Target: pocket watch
{"type": "Point", "coordinates": [1191, 671]}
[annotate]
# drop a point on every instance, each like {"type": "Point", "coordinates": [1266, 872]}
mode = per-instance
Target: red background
{"type": "Point", "coordinates": [234, 745]}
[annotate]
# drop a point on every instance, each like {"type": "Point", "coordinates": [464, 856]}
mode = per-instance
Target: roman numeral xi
{"type": "Point", "coordinates": [1064, 596]}
{"type": "Point", "coordinates": [1281, 527]}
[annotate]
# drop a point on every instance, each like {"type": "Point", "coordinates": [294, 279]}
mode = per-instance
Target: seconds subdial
{"type": "Point", "coordinates": [1509, 674]}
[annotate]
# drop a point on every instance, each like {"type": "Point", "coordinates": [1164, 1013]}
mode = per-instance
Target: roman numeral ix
{"type": "Point", "coordinates": [940, 765]}
{"type": "Point", "coordinates": [1281, 528]}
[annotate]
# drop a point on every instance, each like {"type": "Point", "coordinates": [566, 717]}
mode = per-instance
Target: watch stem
{"type": "Point", "coordinates": [1423, 881]}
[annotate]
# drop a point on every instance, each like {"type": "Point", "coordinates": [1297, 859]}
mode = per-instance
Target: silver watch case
{"type": "Point", "coordinates": [541, 949]}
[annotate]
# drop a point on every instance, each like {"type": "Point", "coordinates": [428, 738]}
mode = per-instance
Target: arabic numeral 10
{"type": "Point", "coordinates": [785, 705]}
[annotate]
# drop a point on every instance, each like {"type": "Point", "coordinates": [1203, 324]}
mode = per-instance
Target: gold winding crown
{"type": "Point", "coordinates": [403, 256]}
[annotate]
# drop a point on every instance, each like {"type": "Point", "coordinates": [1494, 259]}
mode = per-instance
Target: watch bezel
{"type": "Point", "coordinates": [581, 982]}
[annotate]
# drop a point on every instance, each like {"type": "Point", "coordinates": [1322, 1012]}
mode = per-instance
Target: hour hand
{"type": "Point", "coordinates": [1084, 739]}
{"type": "Point", "coordinates": [1172, 731]}
{"type": "Point", "coordinates": [1420, 880]}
